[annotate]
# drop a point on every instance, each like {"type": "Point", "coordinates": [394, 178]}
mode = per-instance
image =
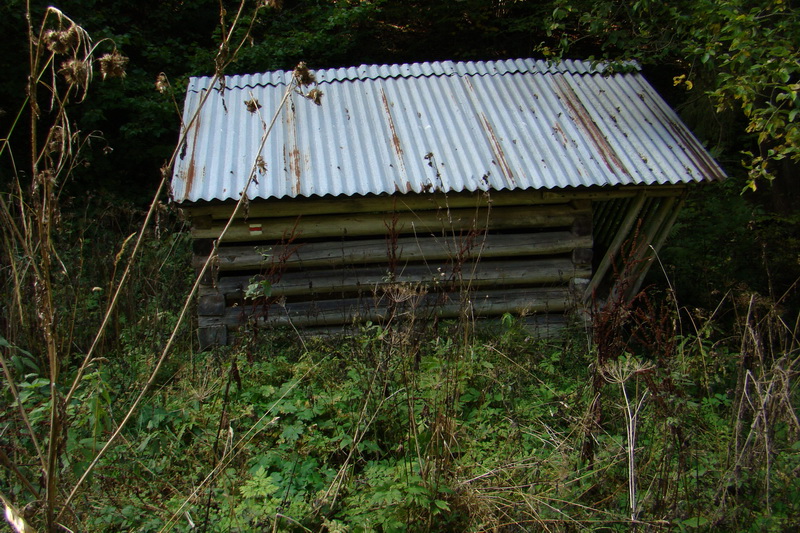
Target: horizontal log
{"type": "Point", "coordinates": [434, 222]}
{"type": "Point", "coordinates": [211, 304]}
{"type": "Point", "coordinates": [210, 336]}
{"type": "Point", "coordinates": [346, 311]}
{"type": "Point", "coordinates": [286, 207]}
{"type": "Point", "coordinates": [582, 256]}
{"type": "Point", "coordinates": [369, 279]}
{"type": "Point", "coordinates": [547, 325]}
{"type": "Point", "coordinates": [333, 254]}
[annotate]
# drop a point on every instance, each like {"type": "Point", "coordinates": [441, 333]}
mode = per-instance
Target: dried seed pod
{"type": "Point", "coordinates": [62, 41]}
{"type": "Point", "coordinates": [261, 165]}
{"type": "Point", "coordinates": [315, 95]}
{"type": "Point", "coordinates": [113, 65]}
{"type": "Point", "coordinates": [75, 71]}
{"type": "Point", "coordinates": [303, 75]}
{"type": "Point", "coordinates": [56, 143]}
{"type": "Point", "coordinates": [162, 84]}
{"type": "Point", "coordinates": [72, 36]}
{"type": "Point", "coordinates": [53, 42]}
{"type": "Point", "coordinates": [252, 105]}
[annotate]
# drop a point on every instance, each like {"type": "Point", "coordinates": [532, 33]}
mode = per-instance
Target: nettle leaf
{"type": "Point", "coordinates": [293, 432]}
{"type": "Point", "coordinates": [258, 289]}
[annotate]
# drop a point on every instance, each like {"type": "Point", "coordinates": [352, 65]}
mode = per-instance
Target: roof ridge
{"type": "Point", "coordinates": [425, 69]}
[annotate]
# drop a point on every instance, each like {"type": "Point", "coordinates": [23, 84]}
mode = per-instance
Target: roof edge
{"type": "Point", "coordinates": [422, 70]}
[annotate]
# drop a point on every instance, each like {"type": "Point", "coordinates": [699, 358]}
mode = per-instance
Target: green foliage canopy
{"type": "Point", "coordinates": [743, 54]}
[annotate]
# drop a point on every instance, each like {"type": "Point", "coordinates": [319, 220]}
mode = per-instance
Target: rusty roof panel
{"type": "Point", "coordinates": [515, 124]}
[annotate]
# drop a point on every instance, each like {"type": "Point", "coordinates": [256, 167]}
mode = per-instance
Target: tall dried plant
{"type": "Point", "coordinates": [62, 60]}
{"type": "Point", "coordinates": [62, 63]}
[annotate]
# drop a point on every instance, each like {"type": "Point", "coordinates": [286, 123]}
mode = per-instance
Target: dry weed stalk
{"type": "Point", "coordinates": [620, 372]}
{"type": "Point", "coordinates": [30, 216]}
{"type": "Point", "coordinates": [767, 372]}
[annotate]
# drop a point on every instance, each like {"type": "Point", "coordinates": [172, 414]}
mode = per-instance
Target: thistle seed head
{"type": "Point", "coordinates": [62, 41]}
{"type": "Point", "coordinates": [56, 139]}
{"type": "Point", "coordinates": [315, 95]}
{"type": "Point", "coordinates": [113, 65]}
{"type": "Point", "coordinates": [303, 75]}
{"type": "Point", "coordinates": [162, 83]}
{"type": "Point", "coordinates": [252, 105]}
{"type": "Point", "coordinates": [75, 71]}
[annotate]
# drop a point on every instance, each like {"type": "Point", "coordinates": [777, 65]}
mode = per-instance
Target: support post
{"type": "Point", "coordinates": [210, 301]}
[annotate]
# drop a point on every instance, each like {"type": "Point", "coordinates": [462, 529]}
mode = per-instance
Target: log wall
{"type": "Point", "coordinates": [335, 262]}
{"type": "Point", "coordinates": [356, 260]}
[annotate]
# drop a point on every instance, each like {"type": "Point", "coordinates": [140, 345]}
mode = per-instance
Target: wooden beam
{"type": "Point", "coordinates": [345, 311]}
{"type": "Point", "coordinates": [211, 304]}
{"type": "Point", "coordinates": [659, 234]}
{"type": "Point", "coordinates": [286, 207]}
{"type": "Point", "coordinates": [351, 280]}
{"type": "Point", "coordinates": [209, 336]}
{"type": "Point", "coordinates": [333, 254]}
{"type": "Point", "coordinates": [419, 223]}
{"type": "Point", "coordinates": [545, 326]}
{"type": "Point", "coordinates": [623, 233]}
{"type": "Point", "coordinates": [201, 248]}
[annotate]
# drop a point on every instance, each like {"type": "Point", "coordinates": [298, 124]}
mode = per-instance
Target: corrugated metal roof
{"type": "Point", "coordinates": [450, 126]}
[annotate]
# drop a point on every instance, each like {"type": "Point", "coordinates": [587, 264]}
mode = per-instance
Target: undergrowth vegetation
{"type": "Point", "coordinates": [411, 427]}
{"type": "Point", "coordinates": [430, 430]}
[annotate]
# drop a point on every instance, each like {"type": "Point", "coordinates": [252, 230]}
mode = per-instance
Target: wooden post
{"type": "Point", "coordinates": [210, 301]}
{"type": "Point", "coordinates": [660, 235]}
{"type": "Point", "coordinates": [622, 234]}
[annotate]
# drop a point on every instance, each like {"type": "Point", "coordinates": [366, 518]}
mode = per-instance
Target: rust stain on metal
{"type": "Point", "coordinates": [562, 135]}
{"type": "Point", "coordinates": [500, 156]}
{"type": "Point", "coordinates": [294, 161]}
{"type": "Point", "coordinates": [469, 84]}
{"type": "Point", "coordinates": [191, 171]}
{"type": "Point", "coordinates": [580, 115]}
{"type": "Point", "coordinates": [398, 149]}
{"type": "Point", "coordinates": [695, 152]}
{"type": "Point", "coordinates": [294, 164]}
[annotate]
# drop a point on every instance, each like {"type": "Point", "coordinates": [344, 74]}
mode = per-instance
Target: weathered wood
{"type": "Point", "coordinates": [419, 223]}
{"type": "Point", "coordinates": [545, 326]}
{"type": "Point", "coordinates": [201, 248]}
{"type": "Point", "coordinates": [657, 234]}
{"type": "Point", "coordinates": [286, 207]}
{"type": "Point", "coordinates": [542, 326]}
{"type": "Point", "coordinates": [582, 256]}
{"type": "Point", "coordinates": [203, 221]}
{"type": "Point", "coordinates": [622, 234]}
{"type": "Point", "coordinates": [578, 287]}
{"type": "Point", "coordinates": [209, 336]}
{"type": "Point", "coordinates": [344, 311]}
{"type": "Point", "coordinates": [582, 225]}
{"type": "Point", "coordinates": [211, 304]}
{"type": "Point", "coordinates": [606, 217]}
{"type": "Point", "coordinates": [350, 280]}
{"type": "Point", "coordinates": [332, 254]}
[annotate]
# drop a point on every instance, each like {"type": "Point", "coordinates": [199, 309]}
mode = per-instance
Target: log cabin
{"type": "Point", "coordinates": [436, 190]}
